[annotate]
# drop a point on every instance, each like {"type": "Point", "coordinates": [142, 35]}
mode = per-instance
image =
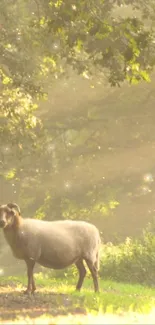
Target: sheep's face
{"type": "Point", "coordinates": [6, 216]}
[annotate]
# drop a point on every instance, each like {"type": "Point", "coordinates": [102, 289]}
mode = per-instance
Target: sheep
{"type": "Point", "coordinates": [52, 244]}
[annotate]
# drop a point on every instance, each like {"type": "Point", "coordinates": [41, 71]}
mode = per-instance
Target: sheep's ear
{"type": "Point", "coordinates": [14, 206]}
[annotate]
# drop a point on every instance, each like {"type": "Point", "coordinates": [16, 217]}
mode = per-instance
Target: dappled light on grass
{"type": "Point", "coordinates": [56, 302]}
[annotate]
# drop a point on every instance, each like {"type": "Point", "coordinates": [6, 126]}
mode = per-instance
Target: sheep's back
{"type": "Point", "coordinates": [80, 232]}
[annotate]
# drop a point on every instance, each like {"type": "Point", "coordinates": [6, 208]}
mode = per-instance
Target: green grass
{"type": "Point", "coordinates": [113, 297]}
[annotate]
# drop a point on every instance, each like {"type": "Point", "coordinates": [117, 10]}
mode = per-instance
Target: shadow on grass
{"type": "Point", "coordinates": [14, 304]}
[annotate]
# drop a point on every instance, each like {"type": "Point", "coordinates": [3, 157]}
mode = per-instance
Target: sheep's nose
{"type": "Point", "coordinates": [2, 223]}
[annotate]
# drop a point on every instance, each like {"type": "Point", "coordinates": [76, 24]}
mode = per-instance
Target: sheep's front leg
{"type": "Point", "coordinates": [31, 284]}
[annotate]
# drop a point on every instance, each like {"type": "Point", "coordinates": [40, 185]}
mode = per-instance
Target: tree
{"type": "Point", "coordinates": [39, 37]}
{"type": "Point", "coordinates": [92, 36]}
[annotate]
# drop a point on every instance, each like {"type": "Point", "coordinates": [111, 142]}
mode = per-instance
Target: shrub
{"type": "Point", "coordinates": [132, 261]}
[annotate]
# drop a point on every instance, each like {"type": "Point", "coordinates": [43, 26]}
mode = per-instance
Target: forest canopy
{"type": "Point", "coordinates": [41, 37]}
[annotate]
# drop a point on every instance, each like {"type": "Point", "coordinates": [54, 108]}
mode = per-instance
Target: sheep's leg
{"type": "Point", "coordinates": [31, 284]}
{"type": "Point", "coordinates": [94, 272]}
{"type": "Point", "coordinates": [82, 272]}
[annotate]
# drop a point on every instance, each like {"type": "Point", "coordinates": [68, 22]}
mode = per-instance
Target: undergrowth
{"type": "Point", "coordinates": [132, 261]}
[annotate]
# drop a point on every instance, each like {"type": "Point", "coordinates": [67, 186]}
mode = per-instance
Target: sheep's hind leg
{"type": "Point", "coordinates": [94, 272]}
{"type": "Point", "coordinates": [82, 272]}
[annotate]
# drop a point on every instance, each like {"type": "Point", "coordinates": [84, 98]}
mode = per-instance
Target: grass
{"type": "Point", "coordinates": [57, 301]}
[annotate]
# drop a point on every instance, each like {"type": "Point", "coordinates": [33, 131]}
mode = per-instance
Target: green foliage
{"type": "Point", "coordinates": [18, 127]}
{"type": "Point", "coordinates": [91, 35]}
{"type": "Point", "coordinates": [10, 174]}
{"type": "Point", "coordinates": [80, 209]}
{"type": "Point", "coordinates": [132, 261]}
{"type": "Point", "coordinates": [43, 38]}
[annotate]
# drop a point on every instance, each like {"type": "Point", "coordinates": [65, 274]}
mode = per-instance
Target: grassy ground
{"type": "Point", "coordinates": [56, 302]}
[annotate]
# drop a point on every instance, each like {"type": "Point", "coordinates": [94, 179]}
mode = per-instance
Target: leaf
{"type": "Point", "coordinates": [144, 74]}
{"type": "Point", "coordinates": [10, 174]}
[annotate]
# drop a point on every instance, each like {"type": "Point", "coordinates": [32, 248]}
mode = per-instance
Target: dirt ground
{"type": "Point", "coordinates": [14, 304]}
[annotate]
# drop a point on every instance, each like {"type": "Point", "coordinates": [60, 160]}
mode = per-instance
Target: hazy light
{"type": "Point", "coordinates": [1, 272]}
{"type": "Point", "coordinates": [55, 46]}
{"type": "Point", "coordinates": [85, 75]}
{"type": "Point", "coordinates": [145, 190]}
{"type": "Point", "coordinates": [74, 7]}
{"type": "Point", "coordinates": [148, 178]}
{"type": "Point", "coordinates": [6, 149]}
{"type": "Point", "coordinates": [67, 185]}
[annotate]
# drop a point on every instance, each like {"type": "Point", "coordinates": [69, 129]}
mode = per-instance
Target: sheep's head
{"type": "Point", "coordinates": [8, 213]}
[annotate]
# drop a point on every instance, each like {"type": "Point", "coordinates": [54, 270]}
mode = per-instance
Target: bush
{"type": "Point", "coordinates": [132, 261]}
